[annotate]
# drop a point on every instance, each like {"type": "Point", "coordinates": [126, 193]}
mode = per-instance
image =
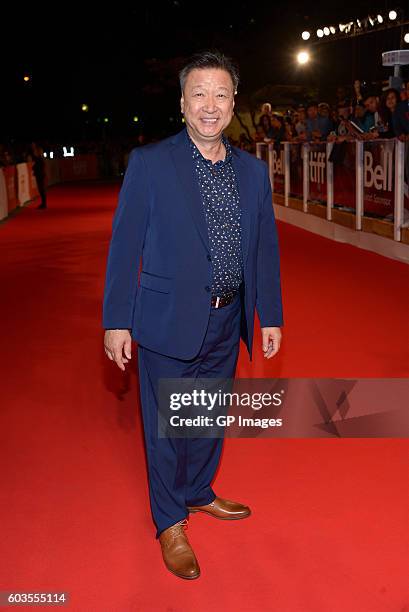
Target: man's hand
{"type": "Point", "coordinates": [271, 341]}
{"type": "Point", "coordinates": [118, 342]}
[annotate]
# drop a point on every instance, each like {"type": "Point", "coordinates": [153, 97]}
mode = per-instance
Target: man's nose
{"type": "Point", "coordinates": [210, 105]}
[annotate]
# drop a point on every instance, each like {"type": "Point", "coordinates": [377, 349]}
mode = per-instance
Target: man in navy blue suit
{"type": "Point", "coordinates": [198, 213]}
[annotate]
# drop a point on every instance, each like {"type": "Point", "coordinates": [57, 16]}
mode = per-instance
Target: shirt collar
{"type": "Point", "coordinates": [197, 154]}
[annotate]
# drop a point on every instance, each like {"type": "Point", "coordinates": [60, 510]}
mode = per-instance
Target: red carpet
{"type": "Point", "coordinates": [329, 530]}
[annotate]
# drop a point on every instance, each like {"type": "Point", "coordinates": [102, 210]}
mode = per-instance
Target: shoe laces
{"type": "Point", "coordinates": [177, 529]}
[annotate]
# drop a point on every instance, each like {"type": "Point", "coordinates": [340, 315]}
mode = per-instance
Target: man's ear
{"type": "Point", "coordinates": [182, 104]}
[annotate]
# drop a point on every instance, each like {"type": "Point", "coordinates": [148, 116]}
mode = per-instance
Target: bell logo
{"type": "Point", "coordinates": [278, 162]}
{"type": "Point", "coordinates": [380, 177]}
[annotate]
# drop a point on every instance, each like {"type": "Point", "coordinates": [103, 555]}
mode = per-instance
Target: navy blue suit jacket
{"type": "Point", "coordinates": [160, 218]}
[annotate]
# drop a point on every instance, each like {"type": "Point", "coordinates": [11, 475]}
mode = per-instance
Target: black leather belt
{"type": "Point", "coordinates": [225, 300]}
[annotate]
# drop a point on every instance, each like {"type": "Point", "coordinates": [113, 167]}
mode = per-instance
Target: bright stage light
{"type": "Point", "coordinates": [106, 119]}
{"type": "Point", "coordinates": [305, 35]}
{"type": "Point", "coordinates": [84, 107]}
{"type": "Point", "coordinates": [392, 15]}
{"type": "Point", "coordinates": [380, 19]}
{"type": "Point", "coordinates": [326, 31]}
{"type": "Point", "coordinates": [358, 23]}
{"type": "Point", "coordinates": [320, 33]}
{"type": "Point", "coordinates": [332, 29]}
{"type": "Point", "coordinates": [26, 77]}
{"type": "Point", "coordinates": [406, 38]}
{"type": "Point", "coordinates": [136, 119]}
{"type": "Point", "coordinates": [303, 57]}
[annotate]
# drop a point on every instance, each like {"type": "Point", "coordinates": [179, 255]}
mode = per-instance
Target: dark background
{"type": "Point", "coordinates": [122, 60]}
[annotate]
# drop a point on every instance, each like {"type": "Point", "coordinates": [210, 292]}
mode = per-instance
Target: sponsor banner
{"type": "Point", "coordinates": [317, 167]}
{"type": "Point", "coordinates": [3, 195]}
{"type": "Point", "coordinates": [10, 177]}
{"type": "Point", "coordinates": [277, 153]}
{"type": "Point", "coordinates": [344, 173]}
{"type": "Point", "coordinates": [296, 170]}
{"type": "Point", "coordinates": [32, 181]}
{"type": "Point", "coordinates": [283, 407]}
{"type": "Point", "coordinates": [23, 183]}
{"type": "Point", "coordinates": [379, 175]}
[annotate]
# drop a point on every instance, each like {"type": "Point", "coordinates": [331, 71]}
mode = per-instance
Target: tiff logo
{"type": "Point", "coordinates": [317, 166]}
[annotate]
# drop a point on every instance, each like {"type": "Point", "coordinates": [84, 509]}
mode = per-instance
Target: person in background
{"type": "Point", "coordinates": [265, 111]}
{"type": "Point", "coordinates": [318, 128]}
{"type": "Point", "coordinates": [259, 134]}
{"type": "Point", "coordinates": [357, 96]}
{"type": "Point", "coordinates": [400, 118]}
{"type": "Point", "coordinates": [265, 124]}
{"type": "Point", "coordinates": [343, 114]}
{"type": "Point", "coordinates": [6, 159]}
{"type": "Point", "coordinates": [400, 122]}
{"type": "Point", "coordinates": [245, 143]}
{"type": "Point", "coordinates": [301, 123]}
{"type": "Point", "coordinates": [39, 171]}
{"type": "Point", "coordinates": [403, 93]}
{"type": "Point", "coordinates": [324, 110]}
{"type": "Point", "coordinates": [371, 103]}
{"type": "Point", "coordinates": [277, 131]}
{"type": "Point", "coordinates": [389, 101]}
{"type": "Point", "coordinates": [289, 128]}
{"type": "Point", "coordinates": [341, 97]}
{"type": "Point", "coordinates": [361, 117]}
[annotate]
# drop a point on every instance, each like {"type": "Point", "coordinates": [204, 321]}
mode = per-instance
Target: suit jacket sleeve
{"type": "Point", "coordinates": [268, 292]}
{"type": "Point", "coordinates": [128, 233]}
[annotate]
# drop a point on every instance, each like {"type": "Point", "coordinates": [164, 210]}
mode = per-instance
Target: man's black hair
{"type": "Point", "coordinates": [369, 94]}
{"type": "Point", "coordinates": [210, 58]}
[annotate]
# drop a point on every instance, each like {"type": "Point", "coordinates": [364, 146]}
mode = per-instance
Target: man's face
{"type": "Point", "coordinates": [207, 102]}
{"type": "Point", "coordinates": [312, 112]}
{"type": "Point", "coordinates": [371, 104]}
{"type": "Point", "coordinates": [343, 113]}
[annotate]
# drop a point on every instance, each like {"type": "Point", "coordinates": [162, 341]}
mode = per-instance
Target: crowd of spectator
{"type": "Point", "coordinates": [365, 114]}
{"type": "Point", "coordinates": [112, 154]}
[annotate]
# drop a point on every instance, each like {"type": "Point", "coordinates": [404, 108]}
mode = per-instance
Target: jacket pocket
{"type": "Point", "coordinates": [155, 283]}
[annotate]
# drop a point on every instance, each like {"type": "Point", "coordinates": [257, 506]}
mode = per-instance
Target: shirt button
{"type": "Point", "coordinates": [207, 288]}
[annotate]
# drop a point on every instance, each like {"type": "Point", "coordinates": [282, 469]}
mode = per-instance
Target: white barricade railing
{"type": "Point", "coordinates": [371, 180]}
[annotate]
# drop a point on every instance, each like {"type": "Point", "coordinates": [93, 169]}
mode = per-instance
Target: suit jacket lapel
{"type": "Point", "coordinates": [186, 171]}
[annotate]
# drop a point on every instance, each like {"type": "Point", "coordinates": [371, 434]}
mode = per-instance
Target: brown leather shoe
{"type": "Point", "coordinates": [177, 553]}
{"type": "Point", "coordinates": [223, 509]}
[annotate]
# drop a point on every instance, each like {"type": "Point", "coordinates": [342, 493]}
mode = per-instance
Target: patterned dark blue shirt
{"type": "Point", "coordinates": [220, 195]}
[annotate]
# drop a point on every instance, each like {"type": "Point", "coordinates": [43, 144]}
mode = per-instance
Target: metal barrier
{"type": "Point", "coordinates": [362, 177]}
